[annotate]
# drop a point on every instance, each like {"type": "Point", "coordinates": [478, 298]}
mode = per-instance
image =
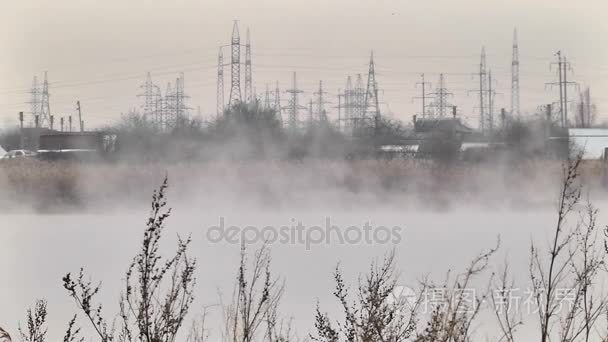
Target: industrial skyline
{"type": "Point", "coordinates": [274, 59]}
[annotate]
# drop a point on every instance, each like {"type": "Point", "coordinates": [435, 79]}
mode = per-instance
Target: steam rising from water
{"type": "Point", "coordinates": [282, 185]}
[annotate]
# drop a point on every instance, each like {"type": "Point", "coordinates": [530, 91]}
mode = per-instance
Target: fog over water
{"type": "Point", "coordinates": [36, 250]}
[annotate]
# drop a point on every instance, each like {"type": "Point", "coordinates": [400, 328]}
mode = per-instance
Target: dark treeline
{"type": "Point", "coordinates": [251, 131]}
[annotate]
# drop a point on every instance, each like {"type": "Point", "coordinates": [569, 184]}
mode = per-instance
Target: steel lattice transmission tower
{"type": "Point", "coordinates": [349, 100]}
{"type": "Point", "coordinates": [277, 103]}
{"type": "Point", "coordinates": [294, 106]}
{"type": "Point", "coordinates": [34, 99]}
{"type": "Point", "coordinates": [266, 104]}
{"type": "Point", "coordinates": [358, 103]}
{"type": "Point", "coordinates": [321, 112]}
{"type": "Point", "coordinates": [482, 90]}
{"type": "Point", "coordinates": [515, 111]}
{"type": "Point", "coordinates": [45, 106]}
{"type": "Point", "coordinates": [491, 97]}
{"type": "Point", "coordinates": [372, 105]}
{"type": "Point", "coordinates": [235, 66]}
{"type": "Point", "coordinates": [181, 109]}
{"type": "Point", "coordinates": [440, 102]}
{"type": "Point", "coordinates": [249, 95]}
{"type": "Point", "coordinates": [220, 83]}
{"type": "Point", "coordinates": [168, 117]}
{"type": "Point", "coordinates": [150, 105]}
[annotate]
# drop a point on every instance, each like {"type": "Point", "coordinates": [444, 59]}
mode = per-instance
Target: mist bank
{"type": "Point", "coordinates": [276, 185]}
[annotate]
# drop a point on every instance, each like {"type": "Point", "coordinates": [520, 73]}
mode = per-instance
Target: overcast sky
{"type": "Point", "coordinates": [98, 52]}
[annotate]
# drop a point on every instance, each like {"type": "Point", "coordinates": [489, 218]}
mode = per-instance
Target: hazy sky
{"type": "Point", "coordinates": [98, 52]}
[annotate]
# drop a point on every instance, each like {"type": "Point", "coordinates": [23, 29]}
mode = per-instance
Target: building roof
{"type": "Point", "coordinates": [442, 125]}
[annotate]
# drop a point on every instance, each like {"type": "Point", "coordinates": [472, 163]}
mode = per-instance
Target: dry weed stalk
{"type": "Point", "coordinates": [371, 316]}
{"type": "Point", "coordinates": [256, 297]}
{"type": "Point", "coordinates": [458, 307]}
{"type": "Point", "coordinates": [158, 291]}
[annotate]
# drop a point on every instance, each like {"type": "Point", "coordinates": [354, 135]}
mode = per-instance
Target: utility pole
{"type": "Point", "coordinates": [423, 96]}
{"type": "Point", "coordinates": [581, 110]}
{"type": "Point", "coordinates": [340, 110]}
{"type": "Point", "coordinates": [70, 122]}
{"type": "Point", "coordinates": [277, 103]}
{"type": "Point", "coordinates": [61, 123]}
{"type": "Point", "coordinates": [588, 106]}
{"type": "Point", "coordinates": [482, 89]}
{"type": "Point", "coordinates": [563, 66]}
{"type": "Point", "coordinates": [515, 111]}
{"type": "Point", "coordinates": [21, 142]}
{"type": "Point", "coordinates": [561, 91]}
{"type": "Point", "coordinates": [310, 115]}
{"type": "Point", "coordinates": [235, 66]}
{"type": "Point", "coordinates": [491, 94]}
{"type": "Point", "coordinates": [548, 123]}
{"type": "Point", "coordinates": [52, 122]}
{"type": "Point", "coordinates": [79, 116]}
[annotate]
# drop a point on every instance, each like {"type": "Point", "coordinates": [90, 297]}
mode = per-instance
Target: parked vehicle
{"type": "Point", "coordinates": [13, 154]}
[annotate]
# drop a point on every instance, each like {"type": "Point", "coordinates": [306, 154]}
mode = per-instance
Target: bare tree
{"type": "Point", "coordinates": [158, 291]}
{"type": "Point", "coordinates": [373, 315]}
{"type": "Point", "coordinates": [569, 304]}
